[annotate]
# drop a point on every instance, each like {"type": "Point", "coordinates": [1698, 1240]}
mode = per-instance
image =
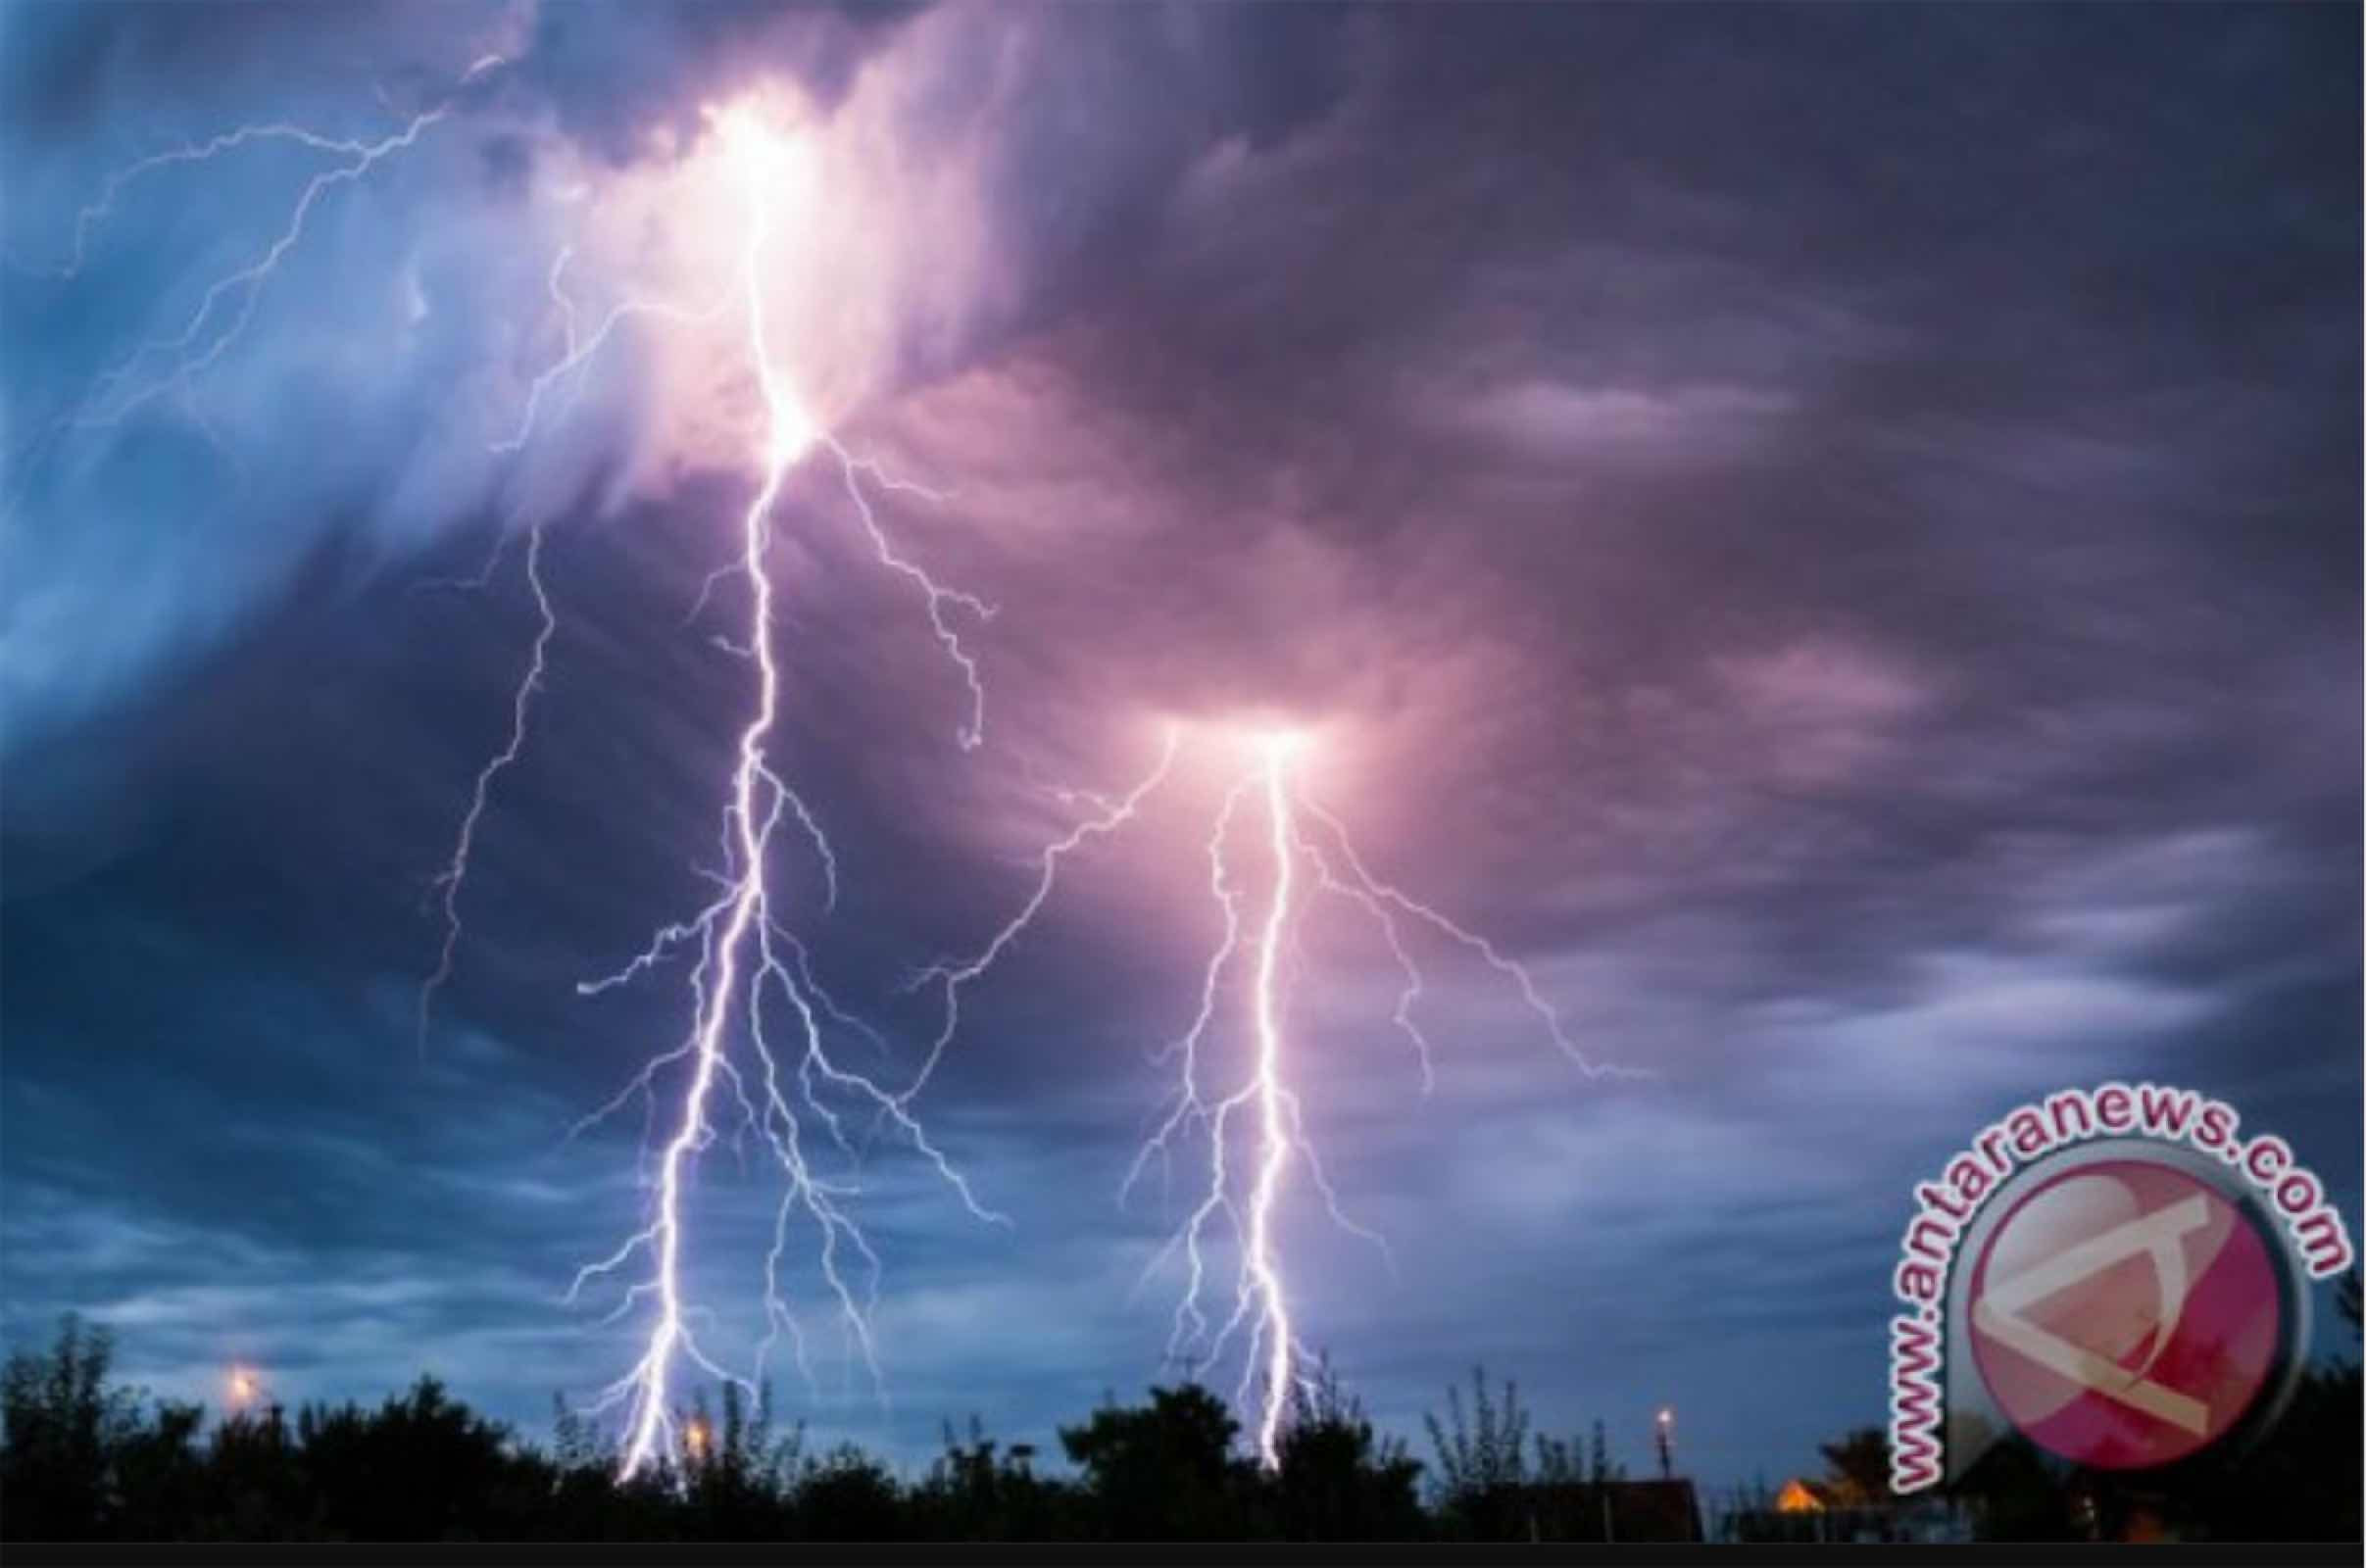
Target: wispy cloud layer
{"type": "Point", "coordinates": [1832, 533]}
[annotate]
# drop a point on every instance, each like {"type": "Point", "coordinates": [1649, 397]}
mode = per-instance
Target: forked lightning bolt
{"type": "Point", "coordinates": [578, 352]}
{"type": "Point", "coordinates": [1250, 1124]}
{"type": "Point", "coordinates": [201, 342]}
{"type": "Point", "coordinates": [745, 953]}
{"type": "Point", "coordinates": [1269, 1111]}
{"type": "Point", "coordinates": [1276, 1114]}
{"type": "Point", "coordinates": [521, 704]}
{"type": "Point", "coordinates": [748, 961]}
{"type": "Point", "coordinates": [955, 976]}
{"type": "Point", "coordinates": [174, 362]}
{"type": "Point", "coordinates": [101, 208]}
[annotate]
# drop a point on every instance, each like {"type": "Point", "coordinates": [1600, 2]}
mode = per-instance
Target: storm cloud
{"type": "Point", "coordinates": [1831, 533]}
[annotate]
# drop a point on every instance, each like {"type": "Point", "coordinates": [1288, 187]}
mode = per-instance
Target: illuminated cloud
{"type": "Point", "coordinates": [1835, 543]}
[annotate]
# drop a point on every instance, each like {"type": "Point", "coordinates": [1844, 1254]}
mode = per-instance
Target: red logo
{"type": "Point", "coordinates": [2127, 1313]}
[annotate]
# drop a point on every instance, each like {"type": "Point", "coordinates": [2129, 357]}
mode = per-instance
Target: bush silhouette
{"type": "Point", "coordinates": [68, 1433]}
{"type": "Point", "coordinates": [1164, 1471]}
{"type": "Point", "coordinates": [1338, 1479]}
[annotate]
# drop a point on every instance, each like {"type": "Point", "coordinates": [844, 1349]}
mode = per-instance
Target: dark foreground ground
{"type": "Point", "coordinates": [86, 1458]}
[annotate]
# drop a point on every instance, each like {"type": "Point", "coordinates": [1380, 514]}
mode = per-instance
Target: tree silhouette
{"type": "Point", "coordinates": [1338, 1479]}
{"type": "Point", "coordinates": [66, 1428]}
{"type": "Point", "coordinates": [1489, 1488]}
{"type": "Point", "coordinates": [975, 1493]}
{"type": "Point", "coordinates": [1482, 1460]}
{"type": "Point", "coordinates": [1164, 1471]}
{"type": "Point", "coordinates": [1857, 1467]}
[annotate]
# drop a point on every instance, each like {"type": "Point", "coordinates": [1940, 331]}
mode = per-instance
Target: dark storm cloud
{"type": "Point", "coordinates": [1831, 532]}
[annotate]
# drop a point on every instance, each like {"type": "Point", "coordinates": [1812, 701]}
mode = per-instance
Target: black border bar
{"type": "Point", "coordinates": [1178, 1554]}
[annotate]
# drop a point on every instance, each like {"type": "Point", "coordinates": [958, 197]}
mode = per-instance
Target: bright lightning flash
{"type": "Point", "coordinates": [745, 955]}
{"type": "Point", "coordinates": [1265, 1106]}
{"type": "Point", "coordinates": [1263, 1102]}
{"type": "Point", "coordinates": [1276, 1108]}
{"type": "Point", "coordinates": [744, 951]}
{"type": "Point", "coordinates": [1258, 1107]}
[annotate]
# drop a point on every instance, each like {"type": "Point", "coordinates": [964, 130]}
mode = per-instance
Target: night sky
{"type": "Point", "coordinates": [1829, 533]}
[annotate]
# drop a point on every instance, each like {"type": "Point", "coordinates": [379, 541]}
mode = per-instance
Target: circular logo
{"type": "Point", "coordinates": [2127, 1312]}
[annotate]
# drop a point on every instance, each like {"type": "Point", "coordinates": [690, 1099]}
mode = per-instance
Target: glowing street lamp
{"type": "Point", "coordinates": [1663, 1433]}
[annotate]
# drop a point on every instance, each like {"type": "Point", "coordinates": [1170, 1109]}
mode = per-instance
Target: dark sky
{"type": "Point", "coordinates": [1830, 533]}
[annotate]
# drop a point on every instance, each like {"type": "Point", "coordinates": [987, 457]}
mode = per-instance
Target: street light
{"type": "Point", "coordinates": [1664, 1435]}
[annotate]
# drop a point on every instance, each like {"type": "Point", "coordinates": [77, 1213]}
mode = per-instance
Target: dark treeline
{"type": "Point", "coordinates": [86, 1457]}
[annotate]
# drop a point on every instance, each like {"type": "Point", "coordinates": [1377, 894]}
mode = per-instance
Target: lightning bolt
{"type": "Point", "coordinates": [580, 348]}
{"type": "Point", "coordinates": [739, 912]}
{"type": "Point", "coordinates": [1244, 1196]}
{"type": "Point", "coordinates": [1265, 1103]}
{"type": "Point", "coordinates": [577, 351]}
{"type": "Point", "coordinates": [1276, 1115]}
{"type": "Point", "coordinates": [199, 345]}
{"type": "Point", "coordinates": [448, 882]}
{"type": "Point", "coordinates": [95, 212]}
{"type": "Point", "coordinates": [954, 976]}
{"type": "Point", "coordinates": [745, 955]}
{"type": "Point", "coordinates": [741, 1064]}
{"type": "Point", "coordinates": [1245, 1190]}
{"type": "Point", "coordinates": [174, 362]}
{"type": "Point", "coordinates": [938, 598]}
{"type": "Point", "coordinates": [1386, 903]}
